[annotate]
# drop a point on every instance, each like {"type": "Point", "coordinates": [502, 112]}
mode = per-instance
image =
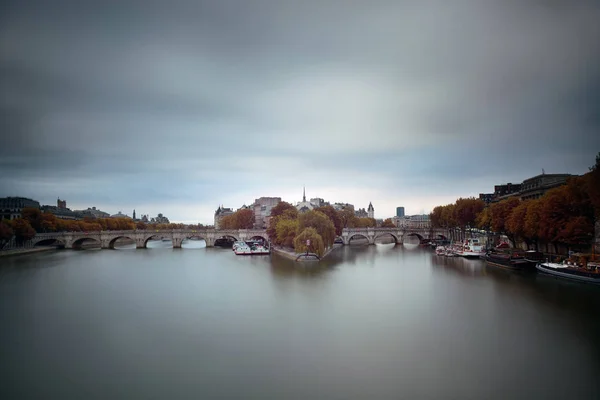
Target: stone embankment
{"type": "Point", "coordinates": [17, 252]}
{"type": "Point", "coordinates": [290, 254]}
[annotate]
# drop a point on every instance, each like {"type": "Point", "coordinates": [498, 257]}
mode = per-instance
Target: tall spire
{"type": "Point", "coordinates": [304, 194]}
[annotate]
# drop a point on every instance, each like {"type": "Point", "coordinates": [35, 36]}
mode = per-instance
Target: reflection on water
{"type": "Point", "coordinates": [459, 265]}
{"type": "Point", "coordinates": [379, 321]}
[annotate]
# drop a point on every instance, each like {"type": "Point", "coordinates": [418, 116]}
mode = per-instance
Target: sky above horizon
{"type": "Point", "coordinates": [178, 107]}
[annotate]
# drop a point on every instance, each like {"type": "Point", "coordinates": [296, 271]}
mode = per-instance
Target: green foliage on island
{"type": "Point", "coordinates": [315, 242]}
{"type": "Point", "coordinates": [289, 228]}
{"type": "Point", "coordinates": [562, 216]}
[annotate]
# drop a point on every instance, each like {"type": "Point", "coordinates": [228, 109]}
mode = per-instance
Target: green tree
{"type": "Point", "coordinates": [321, 223]}
{"type": "Point", "coordinates": [316, 244]}
{"type": "Point", "coordinates": [283, 211]}
{"type": "Point", "coordinates": [6, 233]}
{"type": "Point", "coordinates": [347, 218]}
{"type": "Point", "coordinates": [333, 215]}
{"type": "Point", "coordinates": [365, 223]}
{"type": "Point", "coordinates": [388, 223]}
{"type": "Point", "coordinates": [22, 229]}
{"type": "Point", "coordinates": [287, 229]}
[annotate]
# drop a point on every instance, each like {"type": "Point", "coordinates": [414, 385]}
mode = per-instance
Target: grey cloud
{"type": "Point", "coordinates": [213, 100]}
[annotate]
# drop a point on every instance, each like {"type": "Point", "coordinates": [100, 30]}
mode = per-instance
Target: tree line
{"type": "Point", "coordinates": [564, 215]}
{"type": "Point", "coordinates": [34, 221]}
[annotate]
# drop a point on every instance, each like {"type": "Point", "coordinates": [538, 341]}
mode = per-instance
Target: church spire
{"type": "Point", "coordinates": [304, 194]}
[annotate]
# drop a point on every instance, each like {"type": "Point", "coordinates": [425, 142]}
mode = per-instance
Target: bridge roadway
{"type": "Point", "coordinates": [107, 239]}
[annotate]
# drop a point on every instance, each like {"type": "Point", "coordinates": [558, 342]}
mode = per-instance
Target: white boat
{"type": "Point", "coordinates": [571, 272]}
{"type": "Point", "coordinates": [440, 251]}
{"type": "Point", "coordinates": [250, 248]}
{"type": "Point", "coordinates": [471, 248]}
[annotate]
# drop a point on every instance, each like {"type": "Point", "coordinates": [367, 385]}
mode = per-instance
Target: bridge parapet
{"type": "Point", "coordinates": [141, 237]}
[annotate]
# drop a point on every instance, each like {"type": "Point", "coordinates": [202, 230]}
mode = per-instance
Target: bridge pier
{"type": "Point", "coordinates": [177, 243]}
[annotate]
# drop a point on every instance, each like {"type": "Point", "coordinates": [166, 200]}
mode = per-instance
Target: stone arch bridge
{"type": "Point", "coordinates": [424, 234]}
{"type": "Point", "coordinates": [107, 239]}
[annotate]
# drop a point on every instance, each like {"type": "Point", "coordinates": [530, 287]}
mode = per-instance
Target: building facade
{"type": "Point", "coordinates": [62, 213]}
{"type": "Point", "coordinates": [361, 213]}
{"type": "Point", "coordinates": [120, 215]}
{"type": "Point", "coordinates": [262, 211]}
{"type": "Point", "coordinates": [219, 214]}
{"type": "Point", "coordinates": [536, 187]}
{"type": "Point", "coordinates": [532, 188]}
{"type": "Point", "coordinates": [343, 206]}
{"type": "Point", "coordinates": [399, 211]}
{"type": "Point", "coordinates": [92, 212]}
{"type": "Point", "coordinates": [11, 207]}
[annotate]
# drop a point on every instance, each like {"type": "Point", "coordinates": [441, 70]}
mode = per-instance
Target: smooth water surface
{"type": "Point", "coordinates": [380, 322]}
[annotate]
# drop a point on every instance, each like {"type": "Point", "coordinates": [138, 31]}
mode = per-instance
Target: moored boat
{"type": "Point", "coordinates": [440, 251]}
{"type": "Point", "coordinates": [510, 260]}
{"type": "Point", "coordinates": [471, 248]}
{"type": "Point", "coordinates": [590, 274]}
{"type": "Point", "coordinates": [250, 248]}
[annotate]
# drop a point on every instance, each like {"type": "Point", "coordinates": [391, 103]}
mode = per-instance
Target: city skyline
{"type": "Point", "coordinates": [179, 108]}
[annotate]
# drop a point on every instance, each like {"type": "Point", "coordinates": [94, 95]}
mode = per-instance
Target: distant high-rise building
{"type": "Point", "coordinates": [399, 211]}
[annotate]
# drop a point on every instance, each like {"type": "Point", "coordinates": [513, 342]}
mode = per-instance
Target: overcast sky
{"type": "Point", "coordinates": [177, 107]}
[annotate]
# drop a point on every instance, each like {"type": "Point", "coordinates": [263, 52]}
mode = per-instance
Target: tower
{"type": "Point", "coordinates": [304, 194]}
{"type": "Point", "coordinates": [134, 213]}
{"type": "Point", "coordinates": [371, 211]}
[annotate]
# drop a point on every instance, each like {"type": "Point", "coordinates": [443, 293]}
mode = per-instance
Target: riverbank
{"type": "Point", "coordinates": [300, 257]}
{"type": "Point", "coordinates": [17, 252]}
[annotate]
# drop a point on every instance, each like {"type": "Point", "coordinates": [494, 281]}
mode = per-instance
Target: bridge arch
{"type": "Point", "coordinates": [355, 235]}
{"type": "Point", "coordinates": [227, 236]}
{"type": "Point", "coordinates": [113, 241]}
{"type": "Point", "coordinates": [49, 242]}
{"type": "Point", "coordinates": [78, 243]}
{"type": "Point", "coordinates": [414, 234]}
{"type": "Point", "coordinates": [155, 236]}
{"type": "Point", "coordinates": [258, 236]}
{"type": "Point", "coordinates": [384, 234]}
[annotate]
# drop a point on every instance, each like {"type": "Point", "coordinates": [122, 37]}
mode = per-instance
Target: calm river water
{"type": "Point", "coordinates": [372, 322]}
